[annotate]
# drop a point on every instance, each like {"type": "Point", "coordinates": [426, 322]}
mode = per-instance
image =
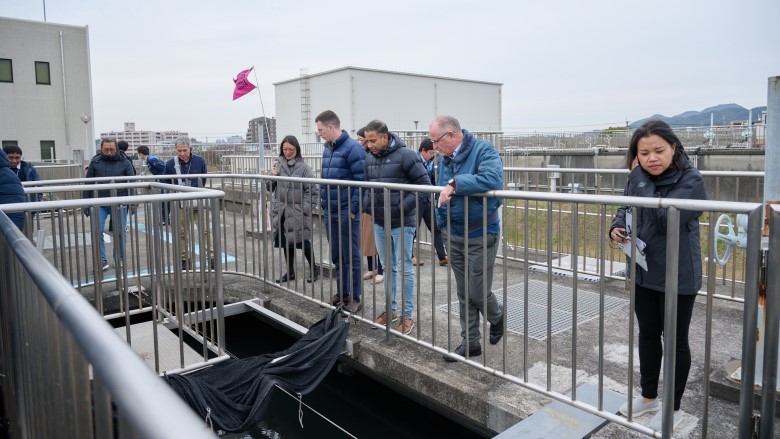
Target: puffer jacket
{"type": "Point", "coordinates": [293, 201]}
{"type": "Point", "coordinates": [103, 166]}
{"type": "Point", "coordinates": [651, 226]}
{"type": "Point", "coordinates": [395, 164]}
{"type": "Point", "coordinates": [342, 160]}
{"type": "Point", "coordinates": [477, 168]}
{"type": "Point", "coordinates": [11, 190]}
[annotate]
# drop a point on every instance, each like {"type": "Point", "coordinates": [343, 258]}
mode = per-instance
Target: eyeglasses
{"type": "Point", "coordinates": [288, 149]}
{"type": "Point", "coordinates": [440, 137]}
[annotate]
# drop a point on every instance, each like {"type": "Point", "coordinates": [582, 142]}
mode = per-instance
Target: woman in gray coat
{"type": "Point", "coordinates": [291, 208]}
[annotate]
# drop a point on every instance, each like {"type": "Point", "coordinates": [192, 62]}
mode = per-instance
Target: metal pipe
{"type": "Point", "coordinates": [68, 154]}
{"type": "Point", "coordinates": [771, 328]}
{"type": "Point", "coordinates": [670, 318]}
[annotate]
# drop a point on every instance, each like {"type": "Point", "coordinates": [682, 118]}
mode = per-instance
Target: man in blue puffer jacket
{"type": "Point", "coordinates": [342, 159]}
{"type": "Point", "coordinates": [469, 166]}
{"type": "Point", "coordinates": [11, 190]}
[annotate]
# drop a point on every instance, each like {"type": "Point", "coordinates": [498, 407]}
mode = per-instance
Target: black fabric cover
{"type": "Point", "coordinates": [236, 392]}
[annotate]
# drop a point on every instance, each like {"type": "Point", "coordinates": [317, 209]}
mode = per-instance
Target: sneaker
{"type": "Point", "coordinates": [443, 262]}
{"type": "Point", "coordinates": [105, 266]}
{"type": "Point", "coordinates": [406, 326]}
{"type": "Point", "coordinates": [368, 275]}
{"type": "Point", "coordinates": [285, 278]}
{"type": "Point", "coordinates": [640, 406]}
{"type": "Point", "coordinates": [379, 278]}
{"type": "Point", "coordinates": [415, 262]}
{"type": "Point", "coordinates": [312, 277]}
{"type": "Point", "coordinates": [382, 319]}
{"type": "Point", "coordinates": [656, 422]}
{"type": "Point", "coordinates": [475, 350]}
{"type": "Point", "coordinates": [497, 330]}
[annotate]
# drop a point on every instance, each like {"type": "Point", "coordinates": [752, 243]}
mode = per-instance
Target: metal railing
{"type": "Point", "coordinates": [65, 373]}
{"type": "Point", "coordinates": [540, 231]}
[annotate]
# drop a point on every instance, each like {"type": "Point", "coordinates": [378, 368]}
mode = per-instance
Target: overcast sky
{"type": "Point", "coordinates": [565, 65]}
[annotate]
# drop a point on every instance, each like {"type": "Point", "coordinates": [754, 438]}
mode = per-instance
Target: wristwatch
{"type": "Point", "coordinates": [451, 182]}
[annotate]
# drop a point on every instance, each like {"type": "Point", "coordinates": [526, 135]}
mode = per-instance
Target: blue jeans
{"type": "Point", "coordinates": [395, 242]}
{"type": "Point", "coordinates": [105, 212]}
{"type": "Point", "coordinates": [344, 237]}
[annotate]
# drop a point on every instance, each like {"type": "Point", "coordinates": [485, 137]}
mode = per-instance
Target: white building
{"type": "Point", "coordinates": [45, 89]}
{"type": "Point", "coordinates": [405, 101]}
{"type": "Point", "coordinates": [137, 138]}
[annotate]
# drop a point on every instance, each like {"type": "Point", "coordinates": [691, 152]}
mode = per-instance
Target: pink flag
{"type": "Point", "coordinates": [243, 86]}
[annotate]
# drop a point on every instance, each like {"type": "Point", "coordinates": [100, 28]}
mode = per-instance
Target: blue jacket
{"type": "Point", "coordinates": [396, 164]}
{"type": "Point", "coordinates": [27, 172]}
{"type": "Point", "coordinates": [651, 226]}
{"type": "Point", "coordinates": [196, 165]}
{"type": "Point", "coordinates": [477, 168]}
{"type": "Point", "coordinates": [155, 165]}
{"type": "Point", "coordinates": [11, 190]}
{"type": "Point", "coordinates": [342, 160]}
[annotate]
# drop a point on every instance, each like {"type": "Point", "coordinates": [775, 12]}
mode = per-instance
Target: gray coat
{"type": "Point", "coordinates": [293, 201]}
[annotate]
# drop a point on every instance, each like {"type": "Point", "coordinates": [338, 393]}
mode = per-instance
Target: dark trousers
{"type": "Point", "coordinates": [425, 215]}
{"type": "Point", "coordinates": [344, 238]}
{"type": "Point", "coordinates": [289, 256]}
{"type": "Point", "coordinates": [649, 309]}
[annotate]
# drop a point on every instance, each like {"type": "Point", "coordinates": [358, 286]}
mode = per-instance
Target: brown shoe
{"type": "Point", "coordinates": [406, 326]}
{"type": "Point", "coordinates": [443, 261]}
{"type": "Point", "coordinates": [382, 319]}
{"type": "Point", "coordinates": [336, 299]}
{"type": "Point", "coordinates": [415, 262]}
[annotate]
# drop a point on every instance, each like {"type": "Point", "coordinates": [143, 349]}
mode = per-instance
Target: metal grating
{"type": "Point", "coordinates": [562, 304]}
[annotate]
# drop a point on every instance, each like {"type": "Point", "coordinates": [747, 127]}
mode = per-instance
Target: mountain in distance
{"type": "Point", "coordinates": [724, 115]}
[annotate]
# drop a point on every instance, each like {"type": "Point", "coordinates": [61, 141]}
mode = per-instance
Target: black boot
{"type": "Point", "coordinates": [285, 278]}
{"type": "Point", "coordinates": [313, 275]}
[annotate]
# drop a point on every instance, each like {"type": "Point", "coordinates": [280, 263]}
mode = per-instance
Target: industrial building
{"type": "Point", "coordinates": [46, 90]}
{"type": "Point", "coordinates": [407, 102]}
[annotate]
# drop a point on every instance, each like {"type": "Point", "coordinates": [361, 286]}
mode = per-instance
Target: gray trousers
{"type": "Point", "coordinates": [473, 285]}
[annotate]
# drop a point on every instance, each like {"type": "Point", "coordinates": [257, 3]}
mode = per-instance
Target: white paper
{"type": "Point", "coordinates": [640, 245]}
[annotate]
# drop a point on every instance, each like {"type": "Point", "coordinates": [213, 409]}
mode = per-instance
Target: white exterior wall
{"type": "Point", "coordinates": [361, 95]}
{"type": "Point", "coordinates": [34, 112]}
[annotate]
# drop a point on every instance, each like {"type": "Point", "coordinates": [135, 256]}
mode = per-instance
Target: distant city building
{"type": "Point", "coordinates": [46, 109]}
{"type": "Point", "coordinates": [137, 138]}
{"type": "Point", "coordinates": [406, 102]}
{"type": "Point", "coordinates": [253, 132]}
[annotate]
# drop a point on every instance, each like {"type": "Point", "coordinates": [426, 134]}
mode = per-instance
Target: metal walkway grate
{"type": "Point", "coordinates": [587, 308]}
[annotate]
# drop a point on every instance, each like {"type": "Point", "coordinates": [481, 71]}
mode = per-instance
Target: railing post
{"type": "Point", "coordinates": [670, 317]}
{"type": "Point", "coordinates": [771, 327]}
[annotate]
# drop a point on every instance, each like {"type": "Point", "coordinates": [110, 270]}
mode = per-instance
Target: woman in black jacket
{"type": "Point", "coordinates": [660, 168]}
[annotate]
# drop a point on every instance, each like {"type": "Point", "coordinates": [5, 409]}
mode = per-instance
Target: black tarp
{"type": "Point", "coordinates": [235, 393]}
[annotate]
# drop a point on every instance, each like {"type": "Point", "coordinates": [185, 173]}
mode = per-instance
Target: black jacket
{"type": "Point", "coordinates": [396, 164]}
{"type": "Point", "coordinates": [103, 166]}
{"type": "Point", "coordinates": [651, 226]}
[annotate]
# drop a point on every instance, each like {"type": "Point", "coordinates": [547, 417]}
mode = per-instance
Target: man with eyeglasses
{"type": "Point", "coordinates": [342, 159]}
{"type": "Point", "coordinates": [469, 166]}
{"type": "Point", "coordinates": [109, 164]}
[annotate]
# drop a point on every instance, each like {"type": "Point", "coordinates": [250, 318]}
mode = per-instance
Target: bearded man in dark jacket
{"type": "Point", "coordinates": [391, 162]}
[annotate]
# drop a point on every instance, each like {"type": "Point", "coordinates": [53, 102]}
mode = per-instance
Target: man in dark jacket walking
{"type": "Point", "coordinates": [109, 164]}
{"type": "Point", "coordinates": [391, 162]}
{"type": "Point", "coordinates": [342, 159]}
{"type": "Point", "coordinates": [24, 170]}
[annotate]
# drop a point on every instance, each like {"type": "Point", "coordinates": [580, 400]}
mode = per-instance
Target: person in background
{"type": "Point", "coordinates": [157, 167]}
{"type": "Point", "coordinates": [367, 246]}
{"type": "Point", "coordinates": [342, 159]}
{"type": "Point", "coordinates": [109, 164]}
{"type": "Point", "coordinates": [122, 147]}
{"type": "Point", "coordinates": [291, 209]}
{"type": "Point", "coordinates": [660, 169]}
{"type": "Point", "coordinates": [469, 166]}
{"type": "Point", "coordinates": [391, 161]}
{"type": "Point", "coordinates": [11, 190]}
{"type": "Point", "coordinates": [426, 154]}
{"type": "Point", "coordinates": [24, 170]}
{"type": "Point", "coordinates": [187, 163]}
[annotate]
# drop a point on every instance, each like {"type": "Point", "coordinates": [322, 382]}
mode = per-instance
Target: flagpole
{"type": "Point", "coordinates": [262, 108]}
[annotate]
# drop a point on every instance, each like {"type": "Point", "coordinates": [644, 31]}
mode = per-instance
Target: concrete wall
{"type": "Point", "coordinates": [34, 112]}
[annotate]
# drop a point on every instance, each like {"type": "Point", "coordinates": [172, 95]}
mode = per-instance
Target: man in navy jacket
{"type": "Point", "coordinates": [342, 159]}
{"type": "Point", "coordinates": [187, 163]}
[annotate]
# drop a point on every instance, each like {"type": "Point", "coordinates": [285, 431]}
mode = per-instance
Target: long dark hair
{"type": "Point", "coordinates": [292, 141]}
{"type": "Point", "coordinates": [664, 131]}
